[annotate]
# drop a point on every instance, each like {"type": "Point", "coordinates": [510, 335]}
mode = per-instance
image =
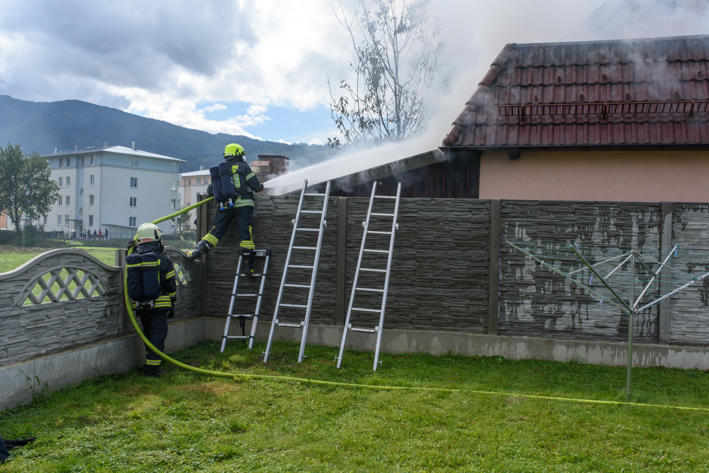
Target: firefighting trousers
{"type": "Point", "coordinates": [244, 225]}
{"type": "Point", "coordinates": [154, 323]}
{"type": "Point", "coordinates": [4, 454]}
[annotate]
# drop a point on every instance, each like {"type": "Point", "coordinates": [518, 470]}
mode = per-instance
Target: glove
{"type": "Point", "coordinates": [171, 314]}
{"type": "Point", "coordinates": [210, 192]}
{"type": "Point", "coordinates": [131, 244]}
{"type": "Point", "coordinates": [260, 188]}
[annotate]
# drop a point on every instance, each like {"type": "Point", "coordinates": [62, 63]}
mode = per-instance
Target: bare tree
{"type": "Point", "coordinates": [394, 58]}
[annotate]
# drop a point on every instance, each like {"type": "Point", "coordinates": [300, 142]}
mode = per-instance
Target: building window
{"type": "Point", "coordinates": [80, 161]}
{"type": "Point", "coordinates": [67, 200]}
{"type": "Point", "coordinates": [93, 159]}
{"type": "Point", "coordinates": [61, 162]}
{"type": "Point", "coordinates": [66, 220]}
{"type": "Point", "coordinates": [134, 182]}
{"type": "Point", "coordinates": [60, 181]}
{"type": "Point", "coordinates": [68, 181]}
{"type": "Point", "coordinates": [44, 220]}
{"type": "Point", "coordinates": [133, 201]}
{"type": "Point", "coordinates": [60, 201]}
{"type": "Point", "coordinates": [174, 185]}
{"type": "Point", "coordinates": [131, 221]}
{"type": "Point", "coordinates": [91, 180]}
{"type": "Point", "coordinates": [134, 162]}
{"type": "Point", "coordinates": [199, 181]}
{"type": "Point", "coordinates": [174, 203]}
{"type": "Point", "coordinates": [91, 200]}
{"type": "Point", "coordinates": [68, 162]}
{"type": "Point", "coordinates": [59, 219]}
{"type": "Point", "coordinates": [91, 220]}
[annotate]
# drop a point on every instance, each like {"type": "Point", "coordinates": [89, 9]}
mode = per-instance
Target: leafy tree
{"type": "Point", "coordinates": [25, 187]}
{"type": "Point", "coordinates": [394, 63]}
{"type": "Point", "coordinates": [183, 221]}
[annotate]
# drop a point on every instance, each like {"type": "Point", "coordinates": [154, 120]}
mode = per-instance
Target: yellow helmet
{"type": "Point", "coordinates": [233, 149]}
{"type": "Point", "coordinates": [148, 232]}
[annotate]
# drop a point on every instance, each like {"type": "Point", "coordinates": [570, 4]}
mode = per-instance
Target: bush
{"type": "Point", "coordinates": [33, 235]}
{"type": "Point", "coordinates": [189, 235]}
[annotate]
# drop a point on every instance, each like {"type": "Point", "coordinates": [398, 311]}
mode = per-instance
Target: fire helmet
{"type": "Point", "coordinates": [148, 232]}
{"type": "Point", "coordinates": [234, 150]}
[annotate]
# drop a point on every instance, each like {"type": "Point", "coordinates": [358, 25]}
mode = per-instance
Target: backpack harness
{"type": "Point", "coordinates": [225, 191]}
{"type": "Point", "coordinates": [143, 279]}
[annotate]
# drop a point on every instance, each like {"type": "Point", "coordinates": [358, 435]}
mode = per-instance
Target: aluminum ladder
{"type": "Point", "coordinates": [266, 254]}
{"type": "Point", "coordinates": [356, 289]}
{"type": "Point", "coordinates": [288, 266]}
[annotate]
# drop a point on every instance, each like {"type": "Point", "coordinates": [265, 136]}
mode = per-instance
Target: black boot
{"type": "Point", "coordinates": [201, 248]}
{"type": "Point", "coordinates": [247, 262]}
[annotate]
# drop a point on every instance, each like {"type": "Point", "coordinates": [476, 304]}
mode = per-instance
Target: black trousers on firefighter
{"type": "Point", "coordinates": [244, 224]}
{"type": "Point", "coordinates": [4, 454]}
{"type": "Point", "coordinates": [154, 323]}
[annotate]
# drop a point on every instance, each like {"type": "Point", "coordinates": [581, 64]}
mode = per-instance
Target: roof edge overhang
{"type": "Point", "coordinates": [493, 149]}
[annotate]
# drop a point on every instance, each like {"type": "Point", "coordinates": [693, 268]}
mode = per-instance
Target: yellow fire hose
{"type": "Point", "coordinates": [353, 385]}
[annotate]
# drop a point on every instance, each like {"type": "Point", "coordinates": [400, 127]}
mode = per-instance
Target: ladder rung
{"type": "Point", "coordinates": [376, 251]}
{"type": "Point", "coordinates": [311, 211]}
{"type": "Point", "coordinates": [365, 330]}
{"type": "Point", "coordinates": [245, 316]}
{"type": "Point", "coordinates": [255, 275]}
{"type": "Point", "coordinates": [366, 289]}
{"type": "Point", "coordinates": [304, 248]}
{"type": "Point", "coordinates": [303, 286]}
{"type": "Point", "coordinates": [299, 266]}
{"type": "Point", "coordinates": [247, 295]}
{"type": "Point", "coordinates": [308, 229]}
{"type": "Point", "coordinates": [237, 336]}
{"type": "Point", "coordinates": [378, 232]}
{"type": "Point", "coordinates": [384, 197]}
{"type": "Point", "coordinates": [288, 325]}
{"type": "Point", "coordinates": [314, 195]}
{"type": "Point", "coordinates": [374, 311]}
{"type": "Point", "coordinates": [373, 270]}
{"type": "Point", "coordinates": [297, 306]}
{"type": "Point", "coordinates": [381, 215]}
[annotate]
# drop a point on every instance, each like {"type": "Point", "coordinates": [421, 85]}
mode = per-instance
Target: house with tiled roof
{"type": "Point", "coordinates": [606, 120]}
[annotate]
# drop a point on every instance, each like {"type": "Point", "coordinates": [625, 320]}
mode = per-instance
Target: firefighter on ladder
{"type": "Point", "coordinates": [246, 183]}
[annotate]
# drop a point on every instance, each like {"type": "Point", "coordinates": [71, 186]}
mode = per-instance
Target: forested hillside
{"type": "Point", "coordinates": [43, 126]}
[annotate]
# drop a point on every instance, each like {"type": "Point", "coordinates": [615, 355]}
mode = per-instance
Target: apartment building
{"type": "Point", "coordinates": [192, 184]}
{"type": "Point", "coordinates": [113, 188]}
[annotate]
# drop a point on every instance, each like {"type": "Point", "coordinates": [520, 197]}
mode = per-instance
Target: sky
{"type": "Point", "coordinates": [260, 68]}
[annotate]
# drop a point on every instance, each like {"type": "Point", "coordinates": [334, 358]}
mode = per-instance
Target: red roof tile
{"type": "Point", "coordinates": [651, 92]}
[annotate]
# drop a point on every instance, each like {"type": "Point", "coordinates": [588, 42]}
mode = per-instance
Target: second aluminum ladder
{"type": "Point", "coordinates": [387, 272]}
{"type": "Point", "coordinates": [311, 288]}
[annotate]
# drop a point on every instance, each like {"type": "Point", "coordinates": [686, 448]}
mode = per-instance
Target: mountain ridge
{"type": "Point", "coordinates": [43, 126]}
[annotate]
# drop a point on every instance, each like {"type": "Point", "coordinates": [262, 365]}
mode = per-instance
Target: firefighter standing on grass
{"type": "Point", "coordinates": [154, 315]}
{"type": "Point", "coordinates": [246, 184]}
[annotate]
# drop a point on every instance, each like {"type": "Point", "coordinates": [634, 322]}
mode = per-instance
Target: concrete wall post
{"type": "Point", "coordinates": [494, 285]}
{"type": "Point", "coordinates": [120, 260]}
{"type": "Point", "coordinates": [341, 261]}
{"type": "Point", "coordinates": [202, 222]}
{"type": "Point", "coordinates": [665, 313]}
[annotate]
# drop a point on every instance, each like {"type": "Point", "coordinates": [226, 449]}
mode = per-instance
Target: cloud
{"type": "Point", "coordinates": [163, 58]}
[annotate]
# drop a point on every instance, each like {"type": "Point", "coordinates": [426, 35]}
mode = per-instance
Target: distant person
{"type": "Point", "coordinates": [95, 234]}
{"type": "Point", "coordinates": [72, 235]}
{"type": "Point", "coordinates": [242, 185]}
{"type": "Point", "coordinates": [152, 289]}
{"type": "Point", "coordinates": [107, 234]}
{"type": "Point", "coordinates": [62, 233]}
{"type": "Point", "coordinates": [100, 236]}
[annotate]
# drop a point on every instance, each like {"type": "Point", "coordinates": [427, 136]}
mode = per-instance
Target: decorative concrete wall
{"type": "Point", "coordinates": [452, 270]}
{"type": "Point", "coordinates": [66, 298]}
{"type": "Point", "coordinates": [59, 300]}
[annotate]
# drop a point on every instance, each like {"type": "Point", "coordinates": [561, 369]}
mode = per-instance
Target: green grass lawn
{"type": "Point", "coordinates": [12, 257]}
{"type": "Point", "coordinates": [190, 422]}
